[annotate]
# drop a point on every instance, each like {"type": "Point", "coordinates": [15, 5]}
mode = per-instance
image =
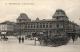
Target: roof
{"type": "Point", "coordinates": [59, 12]}
{"type": "Point", "coordinates": [23, 16]}
{"type": "Point", "coordinates": [7, 22]}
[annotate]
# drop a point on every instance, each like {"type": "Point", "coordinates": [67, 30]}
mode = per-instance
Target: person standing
{"type": "Point", "coordinates": [19, 39]}
{"type": "Point", "coordinates": [22, 39]}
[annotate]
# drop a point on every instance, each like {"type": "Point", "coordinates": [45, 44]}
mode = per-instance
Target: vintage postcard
{"type": "Point", "coordinates": [39, 25]}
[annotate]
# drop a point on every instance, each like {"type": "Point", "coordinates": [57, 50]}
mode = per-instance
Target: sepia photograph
{"type": "Point", "coordinates": [39, 25]}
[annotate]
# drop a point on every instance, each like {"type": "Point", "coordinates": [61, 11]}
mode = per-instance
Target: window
{"type": "Point", "coordinates": [50, 25]}
{"type": "Point", "coordinates": [43, 25]}
{"type": "Point", "coordinates": [28, 26]}
{"type": "Point", "coordinates": [57, 25]}
{"type": "Point", "coordinates": [34, 26]}
{"type": "Point", "coordinates": [46, 25]}
{"type": "Point", "coordinates": [31, 26]}
{"type": "Point", "coordinates": [37, 26]}
{"type": "Point", "coordinates": [40, 25]}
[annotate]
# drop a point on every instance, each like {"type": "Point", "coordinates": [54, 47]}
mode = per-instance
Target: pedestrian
{"type": "Point", "coordinates": [22, 39]}
{"type": "Point", "coordinates": [35, 41]}
{"type": "Point", "coordinates": [73, 38]}
{"type": "Point", "coordinates": [19, 39]}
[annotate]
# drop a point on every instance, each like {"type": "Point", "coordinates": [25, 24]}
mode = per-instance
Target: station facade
{"type": "Point", "coordinates": [58, 25]}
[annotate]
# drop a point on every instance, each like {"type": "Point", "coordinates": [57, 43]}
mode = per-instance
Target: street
{"type": "Point", "coordinates": [12, 45]}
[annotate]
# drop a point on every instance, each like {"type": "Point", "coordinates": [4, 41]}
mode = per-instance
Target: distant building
{"type": "Point", "coordinates": [58, 25]}
{"type": "Point", "coordinates": [7, 28]}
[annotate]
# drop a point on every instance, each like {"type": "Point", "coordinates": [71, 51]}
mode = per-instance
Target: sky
{"type": "Point", "coordinates": [43, 9]}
